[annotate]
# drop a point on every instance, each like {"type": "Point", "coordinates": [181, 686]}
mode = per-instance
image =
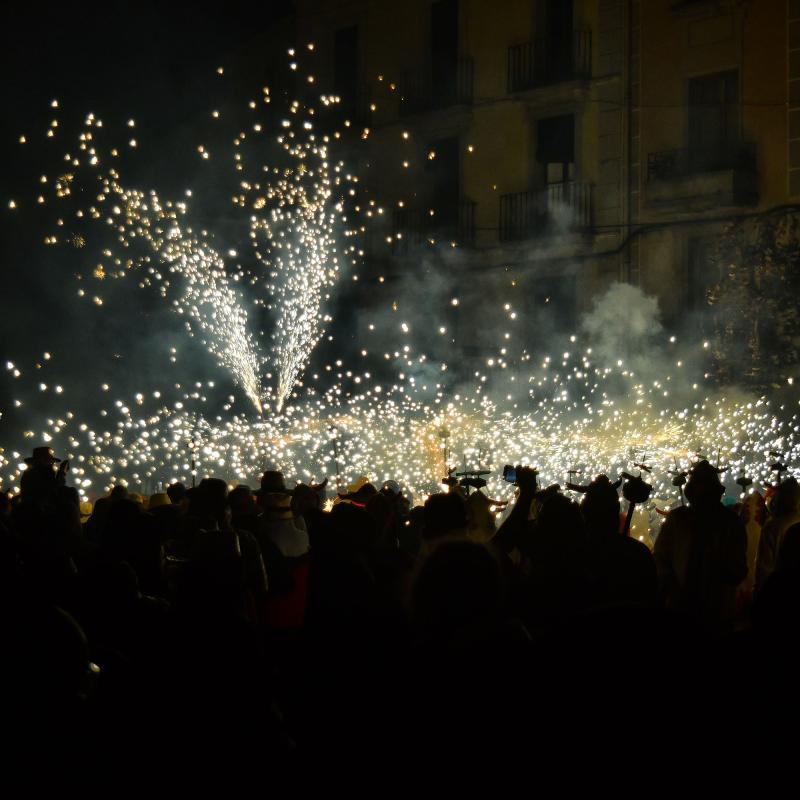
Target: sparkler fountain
{"type": "Point", "coordinates": [301, 214]}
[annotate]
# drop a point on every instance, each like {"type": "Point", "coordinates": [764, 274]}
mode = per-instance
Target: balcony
{"type": "Point", "coordinates": [412, 228]}
{"type": "Point", "coordinates": [420, 94]}
{"type": "Point", "coordinates": [560, 207]}
{"type": "Point", "coordinates": [543, 62]}
{"type": "Point", "coordinates": [724, 175]}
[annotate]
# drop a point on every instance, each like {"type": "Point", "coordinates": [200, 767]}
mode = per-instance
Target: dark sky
{"type": "Point", "coordinates": [153, 61]}
{"type": "Point", "coordinates": [120, 50]}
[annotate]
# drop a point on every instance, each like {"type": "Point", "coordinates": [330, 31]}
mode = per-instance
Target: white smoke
{"type": "Point", "coordinates": [623, 324]}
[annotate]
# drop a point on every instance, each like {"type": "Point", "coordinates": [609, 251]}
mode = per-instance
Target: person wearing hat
{"type": "Point", "coordinates": [620, 569]}
{"type": "Point", "coordinates": [40, 480]}
{"type": "Point", "coordinates": [285, 545]}
{"type": "Point", "coordinates": [278, 521]}
{"type": "Point", "coordinates": [358, 493]}
{"type": "Point", "coordinates": [390, 487]}
{"type": "Point", "coordinates": [157, 500]}
{"type": "Point", "coordinates": [701, 552]}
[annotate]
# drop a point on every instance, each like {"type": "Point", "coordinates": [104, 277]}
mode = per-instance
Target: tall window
{"type": "Point", "coordinates": [555, 24]}
{"type": "Point", "coordinates": [713, 121]}
{"type": "Point", "coordinates": [444, 51]}
{"type": "Point", "coordinates": [555, 149]}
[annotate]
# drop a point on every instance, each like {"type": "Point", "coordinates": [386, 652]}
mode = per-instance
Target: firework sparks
{"type": "Point", "coordinates": [302, 220]}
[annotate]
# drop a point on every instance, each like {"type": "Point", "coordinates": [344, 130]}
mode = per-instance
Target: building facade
{"type": "Point", "coordinates": [713, 125]}
{"type": "Point", "coordinates": [565, 145]}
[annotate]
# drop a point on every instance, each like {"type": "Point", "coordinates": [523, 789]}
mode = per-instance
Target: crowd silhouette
{"type": "Point", "coordinates": [269, 626]}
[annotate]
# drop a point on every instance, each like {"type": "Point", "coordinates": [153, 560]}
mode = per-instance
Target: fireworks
{"type": "Point", "coordinates": [303, 214]}
{"type": "Point", "coordinates": [389, 433]}
{"type": "Point", "coordinates": [297, 246]}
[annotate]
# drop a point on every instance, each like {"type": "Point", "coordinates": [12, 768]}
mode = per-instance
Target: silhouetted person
{"type": "Point", "coordinates": [284, 543]}
{"type": "Point", "coordinates": [176, 492]}
{"type": "Point", "coordinates": [784, 512]}
{"type": "Point", "coordinates": [47, 671]}
{"type": "Point", "coordinates": [621, 569]}
{"type": "Point", "coordinates": [40, 481]}
{"type": "Point", "coordinates": [307, 503]}
{"type": "Point", "coordinates": [278, 520]}
{"type": "Point", "coordinates": [118, 492]}
{"type": "Point", "coordinates": [244, 510]}
{"type": "Point", "coordinates": [445, 515]}
{"type": "Point", "coordinates": [209, 529]}
{"type": "Point", "coordinates": [458, 586]}
{"type": "Point", "coordinates": [701, 552]}
{"type": "Point", "coordinates": [466, 647]}
{"type": "Point", "coordinates": [546, 530]}
{"type": "Point", "coordinates": [481, 525]}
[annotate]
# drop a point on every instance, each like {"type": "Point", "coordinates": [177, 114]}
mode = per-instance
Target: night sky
{"type": "Point", "coordinates": [154, 62]}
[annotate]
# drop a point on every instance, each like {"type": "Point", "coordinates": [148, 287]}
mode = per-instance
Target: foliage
{"type": "Point", "coordinates": [756, 324]}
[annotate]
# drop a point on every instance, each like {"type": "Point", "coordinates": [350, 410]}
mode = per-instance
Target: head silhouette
{"type": "Point", "coordinates": [209, 502]}
{"type": "Point", "coordinates": [704, 486]}
{"type": "Point", "coordinates": [600, 507]}
{"type": "Point", "coordinates": [444, 513]}
{"type": "Point", "coordinates": [458, 583]}
{"type": "Point", "coordinates": [786, 499]}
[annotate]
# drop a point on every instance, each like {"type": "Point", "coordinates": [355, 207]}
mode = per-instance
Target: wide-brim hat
{"type": "Point", "coordinates": [272, 482]}
{"type": "Point", "coordinates": [43, 454]}
{"type": "Point", "coordinates": [159, 499]}
{"type": "Point", "coordinates": [360, 496]}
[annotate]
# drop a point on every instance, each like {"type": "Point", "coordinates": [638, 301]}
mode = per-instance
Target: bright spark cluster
{"type": "Point", "coordinates": [567, 414]}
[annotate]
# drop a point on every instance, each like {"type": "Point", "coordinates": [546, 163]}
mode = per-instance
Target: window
{"type": "Point", "coordinates": [557, 19]}
{"type": "Point", "coordinates": [555, 149]}
{"type": "Point", "coordinates": [444, 52]}
{"type": "Point", "coordinates": [713, 121]}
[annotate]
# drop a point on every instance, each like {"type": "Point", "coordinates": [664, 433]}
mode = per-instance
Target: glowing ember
{"type": "Point", "coordinates": [575, 410]}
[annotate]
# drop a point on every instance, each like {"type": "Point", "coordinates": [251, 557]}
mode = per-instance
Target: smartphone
{"type": "Point", "coordinates": [509, 473]}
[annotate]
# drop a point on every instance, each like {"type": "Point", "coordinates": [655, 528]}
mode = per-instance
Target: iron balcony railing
{"type": "Point", "coordinates": [420, 93]}
{"type": "Point", "coordinates": [561, 206]}
{"type": "Point", "coordinates": [408, 230]}
{"type": "Point", "coordinates": [465, 231]}
{"type": "Point", "coordinates": [543, 62]}
{"type": "Point", "coordinates": [667, 165]}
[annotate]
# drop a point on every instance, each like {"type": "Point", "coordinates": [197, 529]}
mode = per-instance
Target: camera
{"type": "Point", "coordinates": [509, 473]}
